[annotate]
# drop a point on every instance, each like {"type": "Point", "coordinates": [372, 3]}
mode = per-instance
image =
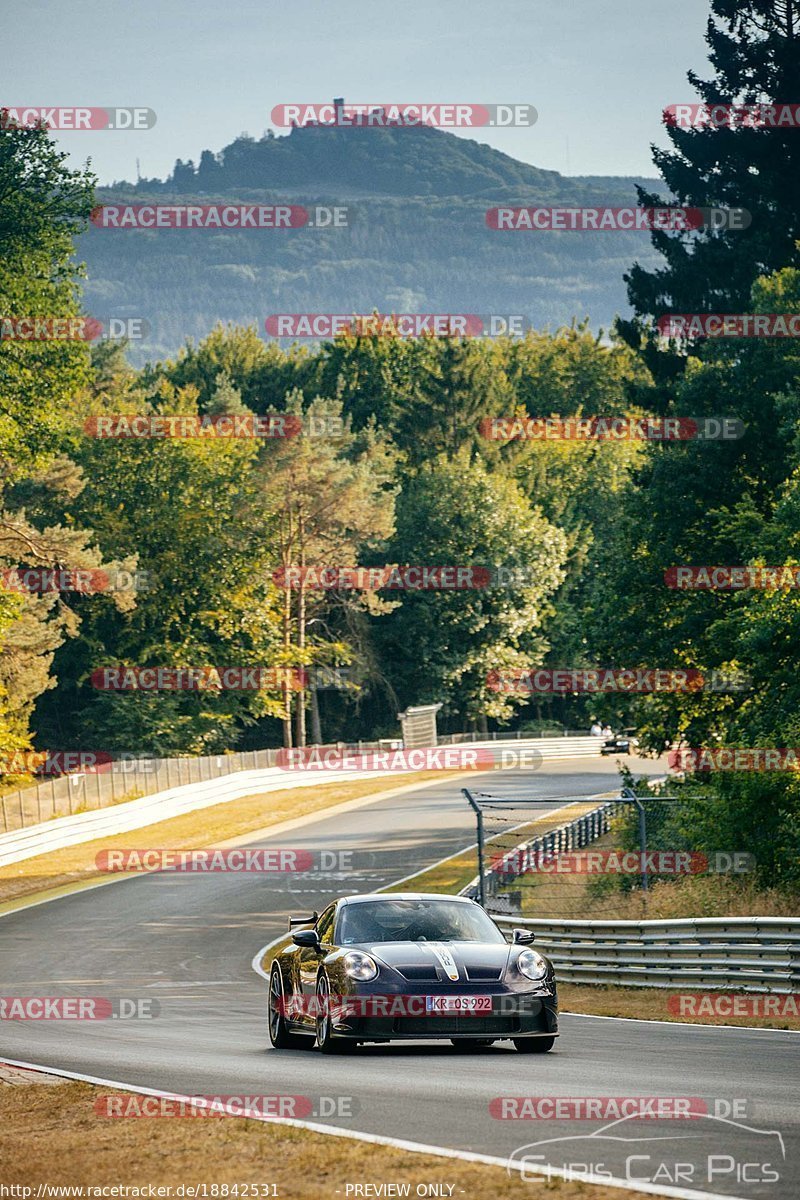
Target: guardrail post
{"type": "Point", "coordinates": [479, 821]}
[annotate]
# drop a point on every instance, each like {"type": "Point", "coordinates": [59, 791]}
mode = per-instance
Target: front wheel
{"type": "Point", "coordinates": [279, 1033]}
{"type": "Point", "coordinates": [534, 1045]}
{"type": "Point", "coordinates": [326, 1042]}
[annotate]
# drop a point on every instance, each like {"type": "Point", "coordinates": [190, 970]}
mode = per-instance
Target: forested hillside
{"type": "Point", "coordinates": [416, 239]}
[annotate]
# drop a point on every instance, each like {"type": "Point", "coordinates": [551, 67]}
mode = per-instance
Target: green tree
{"type": "Point", "coordinates": [755, 52]}
{"type": "Point", "coordinates": [443, 644]}
{"type": "Point", "coordinates": [330, 495]}
{"type": "Point", "coordinates": [43, 206]}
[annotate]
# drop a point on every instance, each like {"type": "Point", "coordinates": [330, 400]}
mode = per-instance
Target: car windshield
{"type": "Point", "coordinates": [415, 921]}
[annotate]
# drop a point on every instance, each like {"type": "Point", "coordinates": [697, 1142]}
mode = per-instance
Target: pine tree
{"type": "Point", "coordinates": [755, 51]}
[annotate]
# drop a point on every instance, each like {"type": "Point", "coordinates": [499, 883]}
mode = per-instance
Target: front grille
{"type": "Point", "coordinates": [475, 1026]}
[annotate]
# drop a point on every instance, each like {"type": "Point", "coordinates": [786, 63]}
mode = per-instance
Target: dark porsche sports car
{"type": "Point", "coordinates": [385, 967]}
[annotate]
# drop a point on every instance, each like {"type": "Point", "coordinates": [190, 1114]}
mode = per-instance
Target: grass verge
{"type": "Point", "coordinates": [650, 1004]}
{"type": "Point", "coordinates": [555, 895]}
{"type": "Point", "coordinates": [52, 1135]}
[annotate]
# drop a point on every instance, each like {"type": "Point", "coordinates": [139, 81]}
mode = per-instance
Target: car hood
{"type": "Point", "coordinates": [461, 962]}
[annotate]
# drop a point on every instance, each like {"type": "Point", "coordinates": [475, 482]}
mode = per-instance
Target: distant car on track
{"type": "Point", "coordinates": [409, 966]}
{"type": "Point", "coordinates": [620, 743]}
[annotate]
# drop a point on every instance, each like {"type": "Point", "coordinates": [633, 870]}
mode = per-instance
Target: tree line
{"type": "Point", "coordinates": [391, 464]}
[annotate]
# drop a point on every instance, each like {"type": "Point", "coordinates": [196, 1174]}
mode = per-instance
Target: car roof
{"type": "Point", "coordinates": [403, 896]}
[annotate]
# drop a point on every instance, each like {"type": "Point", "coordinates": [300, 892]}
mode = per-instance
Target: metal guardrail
{"type": "Point", "coordinates": [130, 778]}
{"type": "Point", "coordinates": [133, 778]}
{"type": "Point", "coordinates": [749, 954]}
{"type": "Point", "coordinates": [193, 789]}
{"type": "Point", "coordinates": [458, 739]}
{"type": "Point", "coordinates": [89, 826]}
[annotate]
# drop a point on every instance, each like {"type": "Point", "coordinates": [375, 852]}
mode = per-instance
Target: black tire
{"type": "Point", "coordinates": [471, 1043]}
{"type": "Point", "coordinates": [279, 1033]}
{"type": "Point", "coordinates": [534, 1045]}
{"type": "Point", "coordinates": [325, 1040]}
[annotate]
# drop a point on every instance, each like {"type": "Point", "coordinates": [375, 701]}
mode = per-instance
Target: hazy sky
{"type": "Point", "coordinates": [598, 71]}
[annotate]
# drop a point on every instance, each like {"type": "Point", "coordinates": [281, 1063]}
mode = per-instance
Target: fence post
{"type": "Point", "coordinates": [631, 797]}
{"type": "Point", "coordinates": [479, 821]}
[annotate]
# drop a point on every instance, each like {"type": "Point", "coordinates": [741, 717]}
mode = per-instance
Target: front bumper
{"type": "Point", "coordinates": [513, 1015]}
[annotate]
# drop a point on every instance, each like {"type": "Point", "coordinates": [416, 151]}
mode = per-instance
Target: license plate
{"type": "Point", "coordinates": [467, 1005]}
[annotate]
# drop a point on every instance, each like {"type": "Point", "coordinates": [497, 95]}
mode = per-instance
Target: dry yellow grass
{"type": "Point", "coordinates": [555, 895]}
{"type": "Point", "coordinates": [53, 1135]}
{"type": "Point", "coordinates": [650, 1004]}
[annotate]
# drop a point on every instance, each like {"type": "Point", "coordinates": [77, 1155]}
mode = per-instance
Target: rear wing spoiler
{"type": "Point", "coordinates": [312, 920]}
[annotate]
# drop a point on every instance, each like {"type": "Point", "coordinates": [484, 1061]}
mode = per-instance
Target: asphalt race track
{"type": "Point", "coordinates": [188, 942]}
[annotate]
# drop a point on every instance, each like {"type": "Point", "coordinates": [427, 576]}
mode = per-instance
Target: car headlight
{"type": "Point", "coordinates": [531, 965]}
{"type": "Point", "coordinates": [359, 965]}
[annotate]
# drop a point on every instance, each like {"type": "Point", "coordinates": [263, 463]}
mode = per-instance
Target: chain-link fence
{"type": "Point", "coordinates": [574, 857]}
{"type": "Point", "coordinates": [128, 778]}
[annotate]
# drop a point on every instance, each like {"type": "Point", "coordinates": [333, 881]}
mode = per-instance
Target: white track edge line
{"type": "Point", "coordinates": [377, 1139]}
{"type": "Point", "coordinates": [678, 1024]}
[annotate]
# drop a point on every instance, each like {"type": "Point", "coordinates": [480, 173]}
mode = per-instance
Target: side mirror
{"type": "Point", "coordinates": [306, 937]}
{"type": "Point", "coordinates": [522, 937]}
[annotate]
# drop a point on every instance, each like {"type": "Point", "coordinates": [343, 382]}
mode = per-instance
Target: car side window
{"type": "Point", "coordinates": [325, 925]}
